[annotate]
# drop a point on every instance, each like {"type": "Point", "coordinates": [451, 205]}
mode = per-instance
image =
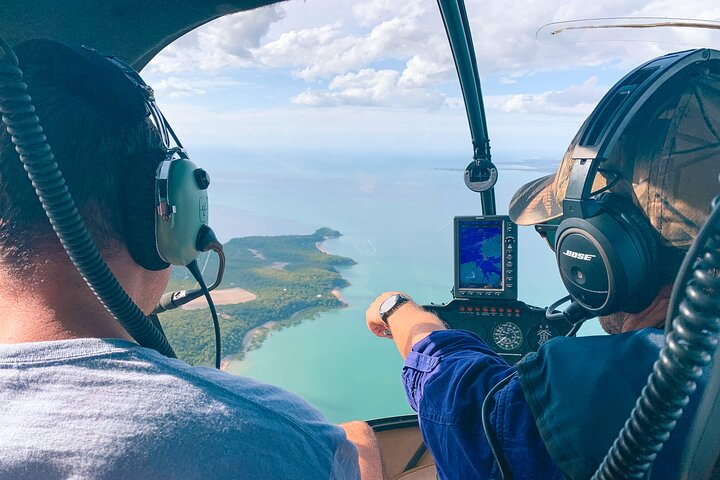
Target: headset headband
{"type": "Point", "coordinates": [152, 110]}
{"type": "Point", "coordinates": [608, 121]}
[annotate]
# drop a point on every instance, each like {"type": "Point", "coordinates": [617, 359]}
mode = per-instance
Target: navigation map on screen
{"type": "Point", "coordinates": [480, 254]}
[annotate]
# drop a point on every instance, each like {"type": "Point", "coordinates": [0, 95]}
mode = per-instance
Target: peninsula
{"type": "Point", "coordinates": [269, 283]}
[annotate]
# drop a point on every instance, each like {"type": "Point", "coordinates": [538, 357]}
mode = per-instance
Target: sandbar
{"type": "Point", "coordinates": [225, 296]}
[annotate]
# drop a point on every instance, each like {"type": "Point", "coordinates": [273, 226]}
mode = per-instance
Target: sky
{"type": "Point", "coordinates": [374, 77]}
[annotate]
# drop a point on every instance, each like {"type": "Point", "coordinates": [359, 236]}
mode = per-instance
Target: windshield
{"type": "Point", "coordinates": [336, 140]}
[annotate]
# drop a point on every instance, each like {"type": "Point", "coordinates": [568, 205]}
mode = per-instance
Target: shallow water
{"type": "Point", "coordinates": [397, 225]}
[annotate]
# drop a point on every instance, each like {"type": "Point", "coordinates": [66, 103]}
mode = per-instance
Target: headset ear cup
{"type": "Point", "coordinates": [139, 210]}
{"type": "Point", "coordinates": [633, 219]}
{"type": "Point", "coordinates": [609, 262]}
{"type": "Point", "coordinates": [182, 187]}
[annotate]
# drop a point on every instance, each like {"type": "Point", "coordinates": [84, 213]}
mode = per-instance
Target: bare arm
{"type": "Point", "coordinates": [360, 434]}
{"type": "Point", "coordinates": [407, 325]}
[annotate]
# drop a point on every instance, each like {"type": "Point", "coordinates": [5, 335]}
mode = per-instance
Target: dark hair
{"type": "Point", "coordinates": [95, 149]}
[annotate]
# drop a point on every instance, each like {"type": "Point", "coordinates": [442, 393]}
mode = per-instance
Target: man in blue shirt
{"type": "Point", "coordinates": [562, 407]}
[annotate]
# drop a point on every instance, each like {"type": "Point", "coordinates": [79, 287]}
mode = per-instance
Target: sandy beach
{"type": "Point", "coordinates": [319, 246]}
{"type": "Point", "coordinates": [247, 339]}
{"type": "Point", "coordinates": [250, 334]}
{"type": "Point", "coordinates": [336, 292]}
{"type": "Point", "coordinates": [225, 296]}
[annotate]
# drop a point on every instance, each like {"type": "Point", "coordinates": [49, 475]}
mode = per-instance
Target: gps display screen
{"type": "Point", "coordinates": [480, 254]}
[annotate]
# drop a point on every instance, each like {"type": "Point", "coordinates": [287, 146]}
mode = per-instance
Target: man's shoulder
{"type": "Point", "coordinates": [256, 418]}
{"type": "Point", "coordinates": [651, 338]}
{"type": "Point", "coordinates": [231, 389]}
{"type": "Point", "coordinates": [121, 401]}
{"type": "Point", "coordinates": [242, 401]}
{"type": "Point", "coordinates": [582, 390]}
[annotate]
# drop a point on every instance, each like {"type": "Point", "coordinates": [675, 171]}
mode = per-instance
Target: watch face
{"type": "Point", "coordinates": [389, 305]}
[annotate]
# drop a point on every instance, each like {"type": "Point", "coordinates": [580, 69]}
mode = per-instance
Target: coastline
{"type": "Point", "coordinates": [319, 246]}
{"type": "Point", "coordinates": [273, 324]}
{"type": "Point", "coordinates": [246, 342]}
{"type": "Point", "coordinates": [338, 294]}
{"type": "Point", "coordinates": [248, 338]}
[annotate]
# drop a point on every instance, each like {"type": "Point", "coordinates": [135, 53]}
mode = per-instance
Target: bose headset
{"type": "Point", "coordinates": [608, 253]}
{"type": "Point", "coordinates": [166, 203]}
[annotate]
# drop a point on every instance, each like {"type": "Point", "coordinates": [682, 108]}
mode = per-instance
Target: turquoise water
{"type": "Point", "coordinates": [396, 220]}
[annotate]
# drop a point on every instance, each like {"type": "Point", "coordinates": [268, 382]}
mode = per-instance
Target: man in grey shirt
{"type": "Point", "coordinates": [78, 397]}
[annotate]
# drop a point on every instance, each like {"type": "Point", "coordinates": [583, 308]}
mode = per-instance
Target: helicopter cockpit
{"type": "Point", "coordinates": [331, 139]}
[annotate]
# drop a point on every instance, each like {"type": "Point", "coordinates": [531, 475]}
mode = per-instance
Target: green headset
{"type": "Point", "coordinates": [178, 222]}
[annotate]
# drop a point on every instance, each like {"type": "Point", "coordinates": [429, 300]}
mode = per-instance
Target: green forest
{"type": "Point", "coordinates": [291, 277]}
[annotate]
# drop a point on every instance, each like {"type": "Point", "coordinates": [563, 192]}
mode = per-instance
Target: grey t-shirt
{"type": "Point", "coordinates": [109, 409]}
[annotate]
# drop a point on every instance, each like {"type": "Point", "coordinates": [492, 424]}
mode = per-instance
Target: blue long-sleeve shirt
{"type": "Point", "coordinates": [570, 399]}
{"type": "Point", "coordinates": [447, 376]}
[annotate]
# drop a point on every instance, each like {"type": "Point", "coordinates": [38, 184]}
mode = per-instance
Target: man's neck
{"type": "Point", "coordinates": [652, 316]}
{"type": "Point", "coordinates": [26, 316]}
{"type": "Point", "coordinates": [53, 303]}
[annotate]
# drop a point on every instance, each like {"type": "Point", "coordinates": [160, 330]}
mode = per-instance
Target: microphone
{"type": "Point", "coordinates": [206, 241]}
{"type": "Point", "coordinates": [574, 314]}
{"type": "Point", "coordinates": [172, 300]}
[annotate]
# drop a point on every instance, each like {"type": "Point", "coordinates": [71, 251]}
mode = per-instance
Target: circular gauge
{"type": "Point", "coordinates": [507, 336]}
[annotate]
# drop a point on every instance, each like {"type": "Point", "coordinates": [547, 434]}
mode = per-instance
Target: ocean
{"type": "Point", "coordinates": [395, 215]}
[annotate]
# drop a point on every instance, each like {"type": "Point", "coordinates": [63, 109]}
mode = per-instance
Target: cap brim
{"type": "Point", "coordinates": [536, 202]}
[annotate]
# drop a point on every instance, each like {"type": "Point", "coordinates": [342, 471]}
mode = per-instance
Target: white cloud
{"type": "Point", "coordinates": [174, 87]}
{"type": "Point", "coordinates": [226, 42]}
{"type": "Point", "coordinates": [371, 88]}
{"type": "Point", "coordinates": [370, 12]}
{"type": "Point", "coordinates": [411, 31]}
{"type": "Point", "coordinates": [507, 44]}
{"type": "Point", "coordinates": [576, 100]}
{"type": "Point", "coordinates": [330, 49]}
{"type": "Point", "coordinates": [395, 53]}
{"type": "Point", "coordinates": [306, 48]}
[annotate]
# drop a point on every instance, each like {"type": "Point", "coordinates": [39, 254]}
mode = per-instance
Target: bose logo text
{"type": "Point", "coordinates": [580, 256]}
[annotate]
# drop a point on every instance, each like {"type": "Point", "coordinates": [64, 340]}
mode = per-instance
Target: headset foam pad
{"type": "Point", "coordinates": [632, 218]}
{"type": "Point", "coordinates": [139, 210]}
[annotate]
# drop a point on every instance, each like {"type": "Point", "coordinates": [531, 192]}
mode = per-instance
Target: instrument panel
{"type": "Point", "coordinates": [510, 327]}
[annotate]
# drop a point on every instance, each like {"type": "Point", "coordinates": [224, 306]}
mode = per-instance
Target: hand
{"type": "Point", "coordinates": [372, 315]}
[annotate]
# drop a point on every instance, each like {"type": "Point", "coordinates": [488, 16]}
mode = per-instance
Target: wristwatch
{"type": "Point", "coordinates": [391, 304]}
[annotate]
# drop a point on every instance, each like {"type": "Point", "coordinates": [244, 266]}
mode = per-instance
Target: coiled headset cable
{"type": "Point", "coordinates": [21, 122]}
{"type": "Point", "coordinates": [690, 341]}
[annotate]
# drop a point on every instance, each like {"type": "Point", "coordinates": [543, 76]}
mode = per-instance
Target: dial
{"type": "Point", "coordinates": [507, 336]}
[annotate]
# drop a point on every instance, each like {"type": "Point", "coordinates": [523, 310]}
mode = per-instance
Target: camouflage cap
{"type": "Point", "coordinates": [667, 162]}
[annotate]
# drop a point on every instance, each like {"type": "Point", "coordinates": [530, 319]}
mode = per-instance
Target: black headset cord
{"type": "Point", "coordinates": [195, 271]}
{"type": "Point", "coordinates": [487, 407]}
